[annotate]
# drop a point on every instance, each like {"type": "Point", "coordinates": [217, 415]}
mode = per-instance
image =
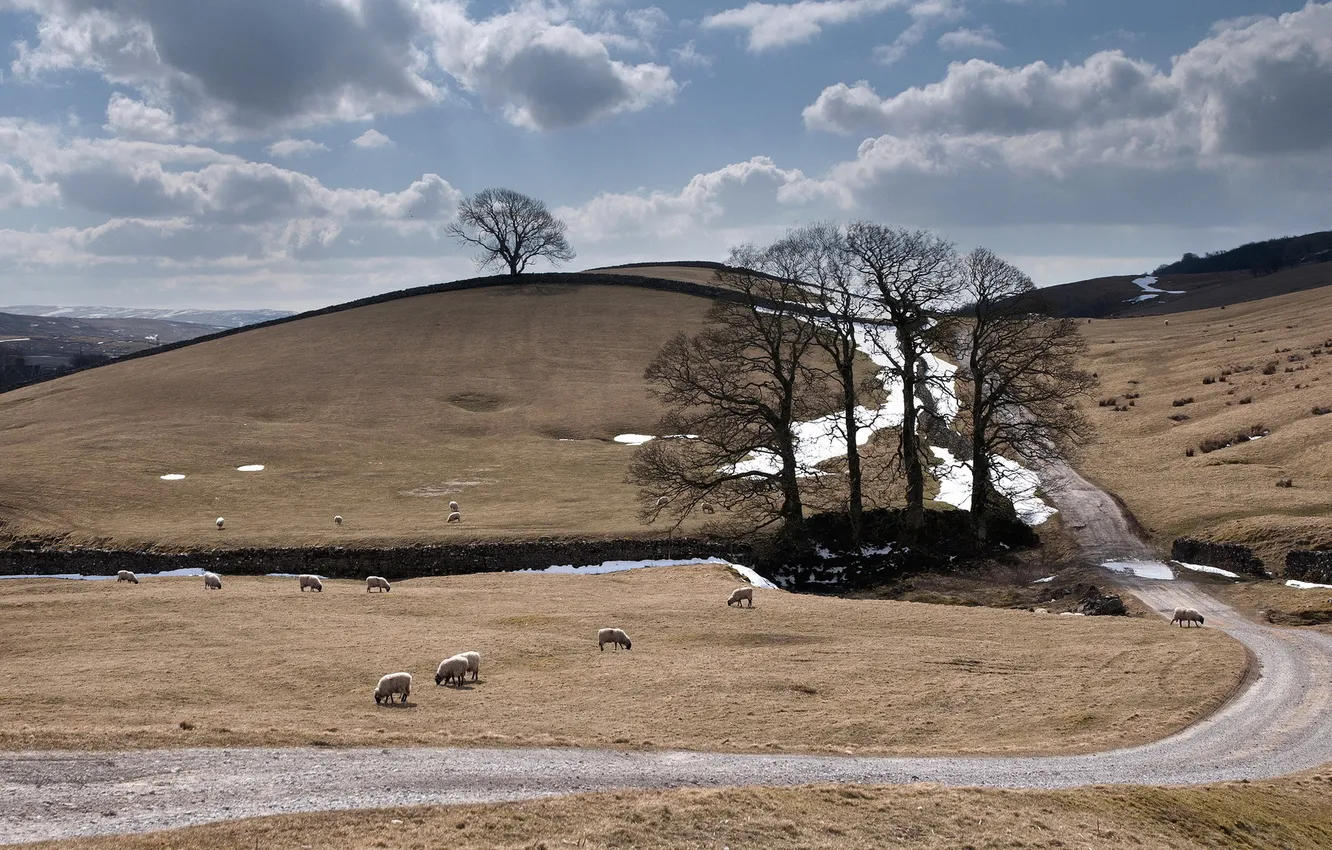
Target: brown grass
{"type": "Point", "coordinates": [1273, 602]}
{"type": "Point", "coordinates": [504, 399]}
{"type": "Point", "coordinates": [1293, 813]}
{"type": "Point", "coordinates": [260, 663]}
{"type": "Point", "coordinates": [1231, 493]}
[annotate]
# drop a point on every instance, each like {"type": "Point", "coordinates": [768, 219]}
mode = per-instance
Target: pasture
{"type": "Point", "coordinates": [101, 665]}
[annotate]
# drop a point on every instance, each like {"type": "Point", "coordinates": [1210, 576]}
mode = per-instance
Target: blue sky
{"type": "Point", "coordinates": [295, 153]}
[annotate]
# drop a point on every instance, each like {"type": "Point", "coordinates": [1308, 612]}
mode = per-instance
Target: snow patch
{"type": "Point", "coordinates": [171, 476]}
{"type": "Point", "coordinates": [621, 566]}
{"type": "Point", "coordinates": [1149, 291]}
{"type": "Point", "coordinates": [634, 439]}
{"type": "Point", "coordinates": [1044, 580]}
{"type": "Point", "coordinates": [1141, 569]}
{"type": "Point", "coordinates": [185, 572]}
{"type": "Point", "coordinates": [251, 467]}
{"type": "Point", "coordinates": [1306, 585]}
{"type": "Point", "coordinates": [1203, 568]}
{"type": "Point", "coordinates": [1012, 479]}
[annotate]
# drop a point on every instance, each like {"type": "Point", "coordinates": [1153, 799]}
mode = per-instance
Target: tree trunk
{"type": "Point", "coordinates": [914, 517]}
{"type": "Point", "coordinates": [855, 501]}
{"type": "Point", "coordinates": [980, 486]}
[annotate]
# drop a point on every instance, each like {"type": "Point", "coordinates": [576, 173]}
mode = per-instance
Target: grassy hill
{"type": "Point", "coordinates": [505, 399]}
{"type": "Point", "coordinates": [1250, 367]}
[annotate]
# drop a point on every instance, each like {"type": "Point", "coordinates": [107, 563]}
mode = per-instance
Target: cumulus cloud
{"type": "Point", "coordinates": [774, 25]}
{"type": "Point", "coordinates": [971, 39]}
{"type": "Point", "coordinates": [295, 147]}
{"type": "Point", "coordinates": [255, 68]}
{"type": "Point", "coordinates": [539, 71]}
{"type": "Point", "coordinates": [1239, 127]}
{"type": "Point", "coordinates": [372, 138]}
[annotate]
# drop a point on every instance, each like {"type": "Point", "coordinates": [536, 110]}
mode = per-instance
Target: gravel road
{"type": "Point", "coordinates": [1281, 723]}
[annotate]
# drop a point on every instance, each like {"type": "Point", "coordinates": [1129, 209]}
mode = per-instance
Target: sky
{"type": "Point", "coordinates": [297, 153]}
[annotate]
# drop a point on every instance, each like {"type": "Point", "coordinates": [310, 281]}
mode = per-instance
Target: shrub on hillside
{"type": "Point", "coordinates": [1180, 402]}
{"type": "Point", "coordinates": [1322, 411]}
{"type": "Point", "coordinates": [1285, 482]}
{"type": "Point", "coordinates": [1270, 368]}
{"type": "Point", "coordinates": [1212, 444]}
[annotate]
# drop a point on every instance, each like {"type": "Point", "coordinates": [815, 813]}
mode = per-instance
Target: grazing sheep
{"type": "Point", "coordinates": [707, 508]}
{"type": "Point", "coordinates": [473, 663]}
{"type": "Point", "coordinates": [212, 581]}
{"type": "Point", "coordinates": [337, 520]}
{"type": "Point", "coordinates": [1185, 616]}
{"type": "Point", "coordinates": [739, 595]}
{"type": "Point", "coordinates": [126, 575]}
{"type": "Point", "coordinates": [615, 636]}
{"type": "Point", "coordinates": [311, 582]}
{"type": "Point", "coordinates": [371, 582]}
{"type": "Point", "coordinates": [393, 683]}
{"type": "Point", "coordinates": [221, 522]}
{"type": "Point", "coordinates": [453, 667]}
{"type": "Point", "coordinates": [455, 517]}
{"type": "Point", "coordinates": [453, 506]}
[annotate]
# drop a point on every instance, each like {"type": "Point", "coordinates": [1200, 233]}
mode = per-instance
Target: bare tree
{"type": "Point", "coordinates": [511, 229]}
{"type": "Point", "coordinates": [734, 394]}
{"type": "Point", "coordinates": [913, 278]}
{"type": "Point", "coordinates": [1020, 377]}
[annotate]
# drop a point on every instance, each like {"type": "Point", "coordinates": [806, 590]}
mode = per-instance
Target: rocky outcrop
{"type": "Point", "coordinates": [1309, 565]}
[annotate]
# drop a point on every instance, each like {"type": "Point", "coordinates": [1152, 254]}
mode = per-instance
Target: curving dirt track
{"type": "Point", "coordinates": [1281, 723]}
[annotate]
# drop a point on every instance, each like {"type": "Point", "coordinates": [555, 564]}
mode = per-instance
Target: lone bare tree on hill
{"type": "Point", "coordinates": [734, 393]}
{"type": "Point", "coordinates": [511, 229]}
{"type": "Point", "coordinates": [1019, 377]}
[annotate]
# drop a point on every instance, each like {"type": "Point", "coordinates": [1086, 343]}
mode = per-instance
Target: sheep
{"type": "Point", "coordinates": [663, 502]}
{"type": "Point", "coordinates": [455, 517]}
{"type": "Point", "coordinates": [311, 582]}
{"type": "Point", "coordinates": [393, 683]}
{"type": "Point", "coordinates": [212, 581]}
{"type": "Point", "coordinates": [708, 509]}
{"type": "Point", "coordinates": [473, 663]}
{"type": "Point", "coordinates": [453, 506]}
{"type": "Point", "coordinates": [337, 520]}
{"type": "Point", "coordinates": [1185, 616]}
{"type": "Point", "coordinates": [453, 667]}
{"type": "Point", "coordinates": [739, 595]}
{"type": "Point", "coordinates": [371, 582]}
{"type": "Point", "coordinates": [126, 575]}
{"type": "Point", "coordinates": [615, 636]}
{"type": "Point", "coordinates": [221, 522]}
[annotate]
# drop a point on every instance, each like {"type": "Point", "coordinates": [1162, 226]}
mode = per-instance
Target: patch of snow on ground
{"type": "Point", "coordinates": [171, 476]}
{"type": "Point", "coordinates": [251, 467]}
{"type": "Point", "coordinates": [1012, 479]}
{"type": "Point", "coordinates": [1148, 285]}
{"type": "Point", "coordinates": [1203, 568]}
{"type": "Point", "coordinates": [1306, 585]}
{"type": "Point", "coordinates": [633, 439]}
{"type": "Point", "coordinates": [1044, 580]}
{"type": "Point", "coordinates": [621, 566]}
{"type": "Point", "coordinates": [186, 572]}
{"type": "Point", "coordinates": [1141, 569]}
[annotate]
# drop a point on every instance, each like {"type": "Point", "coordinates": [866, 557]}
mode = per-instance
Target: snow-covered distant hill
{"type": "Point", "coordinates": [211, 318]}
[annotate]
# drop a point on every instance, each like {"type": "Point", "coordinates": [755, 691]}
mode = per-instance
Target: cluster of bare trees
{"type": "Point", "coordinates": [787, 345]}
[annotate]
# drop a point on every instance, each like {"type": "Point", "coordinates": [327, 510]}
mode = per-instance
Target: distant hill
{"type": "Point", "coordinates": [1257, 258]}
{"type": "Point", "coordinates": [1107, 297]}
{"type": "Point", "coordinates": [215, 319]}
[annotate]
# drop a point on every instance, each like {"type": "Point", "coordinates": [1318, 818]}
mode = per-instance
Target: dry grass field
{"type": "Point", "coordinates": [166, 663]}
{"type": "Point", "coordinates": [1275, 603]}
{"type": "Point", "coordinates": [504, 399]}
{"type": "Point", "coordinates": [1289, 813]}
{"type": "Point", "coordinates": [1214, 362]}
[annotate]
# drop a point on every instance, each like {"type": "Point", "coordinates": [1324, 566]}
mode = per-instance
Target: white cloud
{"type": "Point", "coordinates": [925, 14]}
{"type": "Point", "coordinates": [687, 54]}
{"type": "Point", "coordinates": [774, 25]}
{"type": "Point", "coordinates": [372, 138]}
{"type": "Point", "coordinates": [135, 119]}
{"type": "Point", "coordinates": [538, 70]}
{"type": "Point", "coordinates": [971, 39]}
{"type": "Point", "coordinates": [295, 147]}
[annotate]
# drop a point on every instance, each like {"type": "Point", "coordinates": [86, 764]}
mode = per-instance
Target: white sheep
{"type": "Point", "coordinates": [453, 506]}
{"type": "Point", "coordinates": [454, 667]}
{"type": "Point", "coordinates": [393, 683]}
{"type": "Point", "coordinates": [126, 575]}
{"type": "Point", "coordinates": [739, 595]}
{"type": "Point", "coordinates": [212, 581]}
{"type": "Point", "coordinates": [311, 582]}
{"type": "Point", "coordinates": [221, 522]}
{"type": "Point", "coordinates": [337, 520]}
{"type": "Point", "coordinates": [372, 582]}
{"type": "Point", "coordinates": [615, 636]}
{"type": "Point", "coordinates": [455, 517]}
{"type": "Point", "coordinates": [473, 663]}
{"type": "Point", "coordinates": [1184, 616]}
